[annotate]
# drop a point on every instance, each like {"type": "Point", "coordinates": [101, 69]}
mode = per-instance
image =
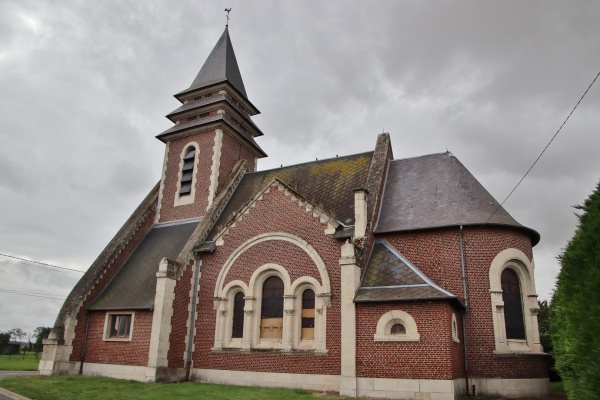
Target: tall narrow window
{"type": "Point", "coordinates": [237, 330]}
{"type": "Point", "coordinates": [187, 171]}
{"type": "Point", "coordinates": [271, 317]}
{"type": "Point", "coordinates": [513, 306]}
{"type": "Point", "coordinates": [308, 315]}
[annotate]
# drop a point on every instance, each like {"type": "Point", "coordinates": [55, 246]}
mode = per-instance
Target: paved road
{"type": "Point", "coordinates": [6, 374]}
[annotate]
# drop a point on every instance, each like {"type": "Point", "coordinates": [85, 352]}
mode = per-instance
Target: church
{"type": "Point", "coordinates": [362, 274]}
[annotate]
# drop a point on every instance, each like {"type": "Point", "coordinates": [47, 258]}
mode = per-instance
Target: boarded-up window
{"type": "Point", "coordinates": [271, 318]}
{"type": "Point", "coordinates": [237, 330]}
{"type": "Point", "coordinates": [513, 306]}
{"type": "Point", "coordinates": [308, 315]}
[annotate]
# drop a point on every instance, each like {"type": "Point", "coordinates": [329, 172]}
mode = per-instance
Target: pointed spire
{"type": "Point", "coordinates": [221, 65]}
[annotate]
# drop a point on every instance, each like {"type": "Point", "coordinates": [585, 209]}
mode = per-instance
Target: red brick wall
{"type": "Point", "coordinates": [180, 317]}
{"type": "Point", "coordinates": [434, 356]}
{"type": "Point", "coordinates": [231, 152]}
{"type": "Point", "coordinates": [134, 352]}
{"type": "Point", "coordinates": [106, 278]}
{"type": "Point", "coordinates": [169, 212]}
{"type": "Point", "coordinates": [275, 212]}
{"type": "Point", "coordinates": [437, 254]}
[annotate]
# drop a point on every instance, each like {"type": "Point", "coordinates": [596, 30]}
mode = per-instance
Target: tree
{"type": "Point", "coordinates": [4, 342]}
{"type": "Point", "coordinates": [17, 334]}
{"type": "Point", "coordinates": [546, 339]}
{"type": "Point", "coordinates": [40, 333]}
{"type": "Point", "coordinates": [574, 322]}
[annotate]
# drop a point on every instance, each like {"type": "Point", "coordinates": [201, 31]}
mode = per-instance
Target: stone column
{"type": "Point", "coordinates": [161, 319]}
{"type": "Point", "coordinates": [350, 280]}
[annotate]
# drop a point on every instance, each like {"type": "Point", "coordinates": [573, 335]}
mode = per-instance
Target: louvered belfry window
{"type": "Point", "coordinates": [513, 306]}
{"type": "Point", "coordinates": [271, 317]}
{"type": "Point", "coordinates": [187, 171]}
{"type": "Point", "coordinates": [237, 330]}
{"type": "Point", "coordinates": [308, 315]}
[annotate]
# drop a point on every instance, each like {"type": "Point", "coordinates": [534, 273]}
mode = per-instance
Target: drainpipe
{"type": "Point", "coordinates": [87, 330]}
{"type": "Point", "coordinates": [464, 279]}
{"type": "Point", "coordinates": [192, 319]}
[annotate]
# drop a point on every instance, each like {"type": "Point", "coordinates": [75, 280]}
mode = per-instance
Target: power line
{"type": "Point", "coordinates": [33, 294]}
{"type": "Point", "coordinates": [41, 263]}
{"type": "Point", "coordinates": [543, 151]}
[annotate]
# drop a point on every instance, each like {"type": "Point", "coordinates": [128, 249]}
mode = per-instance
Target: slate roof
{"type": "Point", "coordinates": [328, 183]}
{"type": "Point", "coordinates": [389, 276]}
{"type": "Point", "coordinates": [187, 125]}
{"type": "Point", "coordinates": [134, 286]}
{"type": "Point", "coordinates": [437, 191]}
{"type": "Point", "coordinates": [221, 65]}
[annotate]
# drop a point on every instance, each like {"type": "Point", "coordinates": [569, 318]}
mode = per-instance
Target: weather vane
{"type": "Point", "coordinates": [227, 16]}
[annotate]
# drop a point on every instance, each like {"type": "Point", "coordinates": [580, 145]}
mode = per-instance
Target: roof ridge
{"type": "Point", "coordinates": [311, 162]}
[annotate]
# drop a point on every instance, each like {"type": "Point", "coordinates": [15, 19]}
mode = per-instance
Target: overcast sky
{"type": "Point", "coordinates": [85, 86]}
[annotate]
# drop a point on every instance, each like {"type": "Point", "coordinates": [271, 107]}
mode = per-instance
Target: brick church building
{"type": "Point", "coordinates": [361, 274]}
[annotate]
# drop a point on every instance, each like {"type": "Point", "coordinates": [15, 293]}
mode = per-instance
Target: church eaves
{"type": "Point", "coordinates": [220, 66]}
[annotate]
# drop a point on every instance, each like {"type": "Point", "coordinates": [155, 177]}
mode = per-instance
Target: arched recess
{"type": "Point", "coordinates": [383, 332]}
{"type": "Point", "coordinates": [282, 236]}
{"type": "Point", "coordinates": [517, 261]}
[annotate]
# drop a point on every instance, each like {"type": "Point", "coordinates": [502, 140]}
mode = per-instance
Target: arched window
{"type": "Point", "coordinates": [271, 316]}
{"type": "Point", "coordinates": [308, 315]}
{"type": "Point", "coordinates": [237, 330]}
{"type": "Point", "coordinates": [513, 306]}
{"type": "Point", "coordinates": [397, 329]}
{"type": "Point", "coordinates": [187, 171]}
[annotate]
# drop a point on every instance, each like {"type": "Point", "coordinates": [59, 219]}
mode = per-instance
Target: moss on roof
{"type": "Point", "coordinates": [328, 183]}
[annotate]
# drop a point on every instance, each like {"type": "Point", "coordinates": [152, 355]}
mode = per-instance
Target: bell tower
{"type": "Point", "coordinates": [213, 130]}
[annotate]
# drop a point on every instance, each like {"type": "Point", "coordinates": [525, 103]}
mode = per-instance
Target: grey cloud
{"type": "Point", "coordinates": [87, 85]}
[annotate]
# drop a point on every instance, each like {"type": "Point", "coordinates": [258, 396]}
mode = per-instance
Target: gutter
{"type": "Point", "coordinates": [464, 329]}
{"type": "Point", "coordinates": [87, 330]}
{"type": "Point", "coordinates": [192, 320]}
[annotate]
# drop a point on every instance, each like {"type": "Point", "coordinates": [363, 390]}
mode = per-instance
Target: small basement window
{"type": "Point", "coordinates": [118, 326]}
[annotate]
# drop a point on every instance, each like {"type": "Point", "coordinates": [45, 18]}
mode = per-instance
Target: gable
{"type": "Point", "coordinates": [328, 183]}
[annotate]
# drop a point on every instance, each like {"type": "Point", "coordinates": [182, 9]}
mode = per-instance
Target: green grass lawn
{"type": "Point", "coordinates": [17, 363]}
{"type": "Point", "coordinates": [85, 387]}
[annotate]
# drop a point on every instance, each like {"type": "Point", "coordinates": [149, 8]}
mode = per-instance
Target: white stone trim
{"type": "Point", "coordinates": [161, 317]}
{"type": "Point", "coordinates": [216, 165]}
{"type": "Point", "coordinates": [162, 182]}
{"type": "Point", "coordinates": [223, 304]}
{"type": "Point", "coordinates": [517, 261]}
{"type": "Point", "coordinates": [187, 199]}
{"type": "Point", "coordinates": [283, 236]}
{"type": "Point", "coordinates": [430, 389]}
{"type": "Point", "coordinates": [324, 217]}
{"type": "Point", "coordinates": [349, 282]}
{"type": "Point", "coordinates": [327, 383]}
{"type": "Point", "coordinates": [107, 324]}
{"type": "Point", "coordinates": [390, 318]}
{"type": "Point", "coordinates": [454, 328]}
{"type": "Point", "coordinates": [224, 307]}
{"type": "Point", "coordinates": [511, 388]}
{"type": "Point", "coordinates": [131, 372]}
